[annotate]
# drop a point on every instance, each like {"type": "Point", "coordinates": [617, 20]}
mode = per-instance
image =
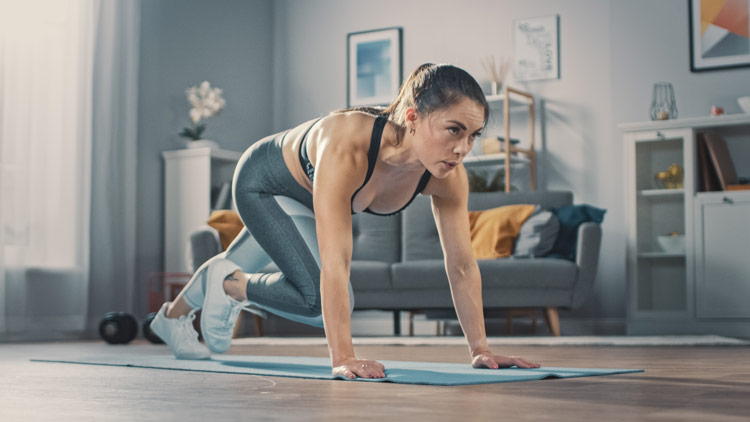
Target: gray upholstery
{"type": "Point", "coordinates": [538, 234]}
{"type": "Point", "coordinates": [496, 273]}
{"type": "Point", "coordinates": [204, 243]}
{"type": "Point", "coordinates": [371, 275]}
{"type": "Point", "coordinates": [376, 238]}
{"type": "Point", "coordinates": [397, 262]}
{"type": "Point", "coordinates": [420, 237]}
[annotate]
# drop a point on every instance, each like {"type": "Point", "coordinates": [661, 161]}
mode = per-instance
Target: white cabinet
{"type": "Point", "coordinates": [659, 280]}
{"type": "Point", "coordinates": [706, 288]}
{"type": "Point", "coordinates": [190, 176]}
{"type": "Point", "coordinates": [722, 234]}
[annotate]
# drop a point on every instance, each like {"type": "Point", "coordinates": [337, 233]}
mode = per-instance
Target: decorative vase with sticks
{"type": "Point", "coordinates": [497, 71]}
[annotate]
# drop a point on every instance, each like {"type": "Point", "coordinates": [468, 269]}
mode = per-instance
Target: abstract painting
{"type": "Point", "coordinates": [719, 34]}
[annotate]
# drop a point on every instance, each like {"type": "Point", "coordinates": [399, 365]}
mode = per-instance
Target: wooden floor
{"type": "Point", "coordinates": [680, 384]}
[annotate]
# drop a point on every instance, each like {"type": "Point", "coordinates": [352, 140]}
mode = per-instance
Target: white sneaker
{"type": "Point", "coordinates": [220, 311]}
{"type": "Point", "coordinates": [179, 334]}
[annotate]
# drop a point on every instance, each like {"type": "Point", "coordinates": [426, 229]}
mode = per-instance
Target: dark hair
{"type": "Point", "coordinates": [431, 87]}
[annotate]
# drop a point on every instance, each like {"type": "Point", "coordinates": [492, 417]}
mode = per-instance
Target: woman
{"type": "Point", "coordinates": [350, 161]}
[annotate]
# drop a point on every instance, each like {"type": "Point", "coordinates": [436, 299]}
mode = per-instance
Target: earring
{"type": "Point", "coordinates": [411, 131]}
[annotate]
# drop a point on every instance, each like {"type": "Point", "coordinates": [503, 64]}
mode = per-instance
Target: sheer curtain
{"type": "Point", "coordinates": [113, 185]}
{"type": "Point", "coordinates": [45, 140]}
{"type": "Point", "coordinates": [47, 92]}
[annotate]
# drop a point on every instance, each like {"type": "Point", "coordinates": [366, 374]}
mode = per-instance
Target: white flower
{"type": "Point", "coordinates": [204, 100]}
{"type": "Point", "coordinates": [195, 114]}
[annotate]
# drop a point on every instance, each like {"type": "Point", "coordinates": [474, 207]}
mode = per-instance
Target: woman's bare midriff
{"type": "Point", "coordinates": [388, 189]}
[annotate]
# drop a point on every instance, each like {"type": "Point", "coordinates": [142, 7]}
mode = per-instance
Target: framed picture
{"type": "Point", "coordinates": [719, 34]}
{"type": "Point", "coordinates": [536, 48]}
{"type": "Point", "coordinates": [374, 67]}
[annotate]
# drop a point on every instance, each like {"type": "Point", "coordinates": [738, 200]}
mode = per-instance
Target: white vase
{"type": "Point", "coordinates": [203, 143]}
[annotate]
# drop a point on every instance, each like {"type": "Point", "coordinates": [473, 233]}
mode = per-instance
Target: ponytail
{"type": "Point", "coordinates": [430, 87]}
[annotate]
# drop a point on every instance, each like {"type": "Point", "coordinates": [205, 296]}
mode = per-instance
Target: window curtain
{"type": "Point", "coordinates": [57, 132]}
{"type": "Point", "coordinates": [113, 185]}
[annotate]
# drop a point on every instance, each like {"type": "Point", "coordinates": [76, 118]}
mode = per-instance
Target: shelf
{"type": "Point", "coordinates": [661, 193]}
{"type": "Point", "coordinates": [660, 255]}
{"type": "Point", "coordinates": [690, 122]}
{"type": "Point", "coordinates": [498, 158]}
{"type": "Point", "coordinates": [734, 194]}
{"type": "Point", "coordinates": [508, 99]}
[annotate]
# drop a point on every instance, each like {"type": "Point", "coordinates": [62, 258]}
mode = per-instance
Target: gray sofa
{"type": "Point", "coordinates": [397, 262]}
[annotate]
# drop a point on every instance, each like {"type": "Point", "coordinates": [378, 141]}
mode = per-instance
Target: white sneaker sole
{"type": "Point", "coordinates": [215, 296]}
{"type": "Point", "coordinates": [160, 327]}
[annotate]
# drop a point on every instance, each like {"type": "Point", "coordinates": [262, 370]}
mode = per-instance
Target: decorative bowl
{"type": "Point", "coordinates": [744, 103]}
{"type": "Point", "coordinates": [672, 243]}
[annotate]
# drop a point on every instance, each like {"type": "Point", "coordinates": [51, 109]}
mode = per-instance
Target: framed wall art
{"type": "Point", "coordinates": [374, 66]}
{"type": "Point", "coordinates": [719, 36]}
{"type": "Point", "coordinates": [536, 47]}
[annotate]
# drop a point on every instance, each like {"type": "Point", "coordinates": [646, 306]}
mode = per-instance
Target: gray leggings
{"type": "Point", "coordinates": [279, 228]}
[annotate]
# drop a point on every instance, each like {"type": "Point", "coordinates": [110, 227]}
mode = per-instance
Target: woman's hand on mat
{"type": "Point", "coordinates": [488, 360]}
{"type": "Point", "coordinates": [352, 368]}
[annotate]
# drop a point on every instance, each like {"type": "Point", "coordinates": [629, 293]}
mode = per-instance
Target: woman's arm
{"type": "Point", "coordinates": [450, 207]}
{"type": "Point", "coordinates": [339, 171]}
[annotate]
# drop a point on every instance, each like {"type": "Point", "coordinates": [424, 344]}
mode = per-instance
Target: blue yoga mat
{"type": "Point", "coordinates": [429, 373]}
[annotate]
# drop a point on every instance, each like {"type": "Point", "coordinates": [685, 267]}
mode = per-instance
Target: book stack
{"type": "Point", "coordinates": [717, 172]}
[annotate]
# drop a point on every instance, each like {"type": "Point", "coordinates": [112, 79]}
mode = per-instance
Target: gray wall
{"type": "Point", "coordinates": [183, 42]}
{"type": "Point", "coordinates": [611, 54]}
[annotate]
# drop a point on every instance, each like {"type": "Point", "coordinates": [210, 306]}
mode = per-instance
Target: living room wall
{"type": "Point", "coordinates": [283, 62]}
{"type": "Point", "coordinates": [611, 53]}
{"type": "Point", "coordinates": [578, 135]}
{"type": "Point", "coordinates": [184, 42]}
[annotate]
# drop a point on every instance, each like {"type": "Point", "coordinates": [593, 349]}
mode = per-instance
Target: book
{"type": "Point", "coordinates": [707, 179]}
{"type": "Point", "coordinates": [721, 160]}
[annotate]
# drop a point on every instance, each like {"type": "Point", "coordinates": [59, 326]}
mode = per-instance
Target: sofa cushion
{"type": "Point", "coordinates": [537, 234]}
{"type": "Point", "coordinates": [370, 275]}
{"type": "Point", "coordinates": [420, 236]}
{"type": "Point", "coordinates": [496, 273]}
{"type": "Point", "coordinates": [570, 218]}
{"type": "Point", "coordinates": [227, 223]}
{"type": "Point", "coordinates": [494, 231]}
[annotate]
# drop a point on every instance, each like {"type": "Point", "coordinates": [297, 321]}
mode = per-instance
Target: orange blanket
{"type": "Point", "coordinates": [494, 231]}
{"type": "Point", "coordinates": [228, 224]}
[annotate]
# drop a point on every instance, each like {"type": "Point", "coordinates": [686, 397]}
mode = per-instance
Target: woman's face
{"type": "Point", "coordinates": [444, 137]}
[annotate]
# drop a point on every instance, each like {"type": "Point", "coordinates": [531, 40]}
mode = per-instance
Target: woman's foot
{"type": "Point", "coordinates": [179, 334]}
{"type": "Point", "coordinates": [220, 311]}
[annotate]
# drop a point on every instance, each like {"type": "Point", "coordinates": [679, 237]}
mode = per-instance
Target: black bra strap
{"type": "Point", "coordinates": [372, 154]}
{"type": "Point", "coordinates": [422, 183]}
{"type": "Point", "coordinates": [303, 158]}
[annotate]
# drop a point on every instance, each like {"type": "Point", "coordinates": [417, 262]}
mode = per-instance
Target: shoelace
{"type": "Point", "coordinates": [232, 314]}
{"type": "Point", "coordinates": [187, 325]}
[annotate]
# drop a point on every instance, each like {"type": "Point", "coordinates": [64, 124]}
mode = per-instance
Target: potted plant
{"type": "Point", "coordinates": [205, 102]}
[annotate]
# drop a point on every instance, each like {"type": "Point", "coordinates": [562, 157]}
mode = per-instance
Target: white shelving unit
{"type": "Point", "coordinates": [674, 293]}
{"type": "Point", "coordinates": [189, 177]}
{"type": "Point", "coordinates": [511, 100]}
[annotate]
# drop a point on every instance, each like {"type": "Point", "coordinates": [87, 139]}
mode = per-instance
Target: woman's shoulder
{"type": "Point", "coordinates": [352, 128]}
{"type": "Point", "coordinates": [348, 121]}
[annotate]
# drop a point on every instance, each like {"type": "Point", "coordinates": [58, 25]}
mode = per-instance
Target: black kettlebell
{"type": "Point", "coordinates": [150, 335]}
{"type": "Point", "coordinates": [118, 328]}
